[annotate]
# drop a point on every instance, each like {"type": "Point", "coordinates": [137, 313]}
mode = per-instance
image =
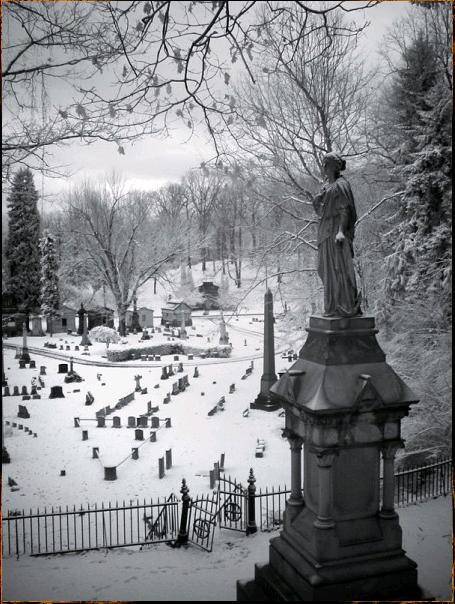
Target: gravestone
{"type": "Point", "coordinates": [175, 388]}
{"type": "Point", "coordinates": [76, 347]}
{"type": "Point", "coordinates": [16, 391]}
{"type": "Point", "coordinates": [170, 371]}
{"type": "Point", "coordinates": [6, 391]}
{"type": "Point", "coordinates": [153, 437]}
{"type": "Point", "coordinates": [61, 346]}
{"type": "Point", "coordinates": [186, 381]}
{"type": "Point", "coordinates": [24, 390]}
{"type": "Point", "coordinates": [32, 364]}
{"type": "Point", "coordinates": [149, 407]}
{"type": "Point", "coordinates": [196, 372]}
{"type": "Point", "coordinates": [181, 385]}
{"type": "Point", "coordinates": [138, 434]}
{"type": "Point", "coordinates": [14, 425]}
{"type": "Point", "coordinates": [84, 434]}
{"type": "Point", "coordinates": [17, 354]}
{"type": "Point", "coordinates": [231, 388]}
{"type": "Point", "coordinates": [56, 392]}
{"type": "Point", "coordinates": [101, 422]}
{"type": "Point", "coordinates": [180, 368]}
{"type": "Point", "coordinates": [89, 398]}
{"type": "Point", "coordinates": [77, 422]}
{"type": "Point", "coordinates": [116, 422]}
{"type": "Point", "coordinates": [155, 422]}
{"type": "Point", "coordinates": [23, 412]}
{"type": "Point", "coordinates": [164, 375]}
{"type": "Point", "coordinates": [131, 421]}
{"type": "Point", "coordinates": [41, 382]}
{"type": "Point", "coordinates": [63, 368]}
{"type": "Point", "coordinates": [22, 364]}
{"type": "Point", "coordinates": [168, 459]}
{"type": "Point", "coordinates": [157, 357]}
{"type": "Point", "coordinates": [212, 479]}
{"type": "Point", "coordinates": [26, 397]}
{"type": "Point", "coordinates": [144, 391]}
{"type": "Point", "coordinates": [168, 423]}
{"type": "Point", "coordinates": [190, 357]}
{"type": "Point", "coordinates": [216, 469]}
{"type": "Point", "coordinates": [166, 400]}
{"type": "Point", "coordinates": [161, 467]}
{"type": "Point", "coordinates": [110, 473]}
{"type": "Point", "coordinates": [33, 390]}
{"type": "Point", "coordinates": [95, 452]}
{"type": "Point", "coordinates": [138, 384]}
{"type": "Point", "coordinates": [135, 452]}
{"type": "Point", "coordinates": [222, 462]}
{"type": "Point", "coordinates": [142, 421]}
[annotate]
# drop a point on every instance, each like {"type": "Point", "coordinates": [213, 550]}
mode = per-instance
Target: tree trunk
{"type": "Point", "coordinates": [154, 285]}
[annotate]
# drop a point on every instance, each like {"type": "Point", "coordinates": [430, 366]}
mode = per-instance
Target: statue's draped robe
{"type": "Point", "coordinates": [335, 207]}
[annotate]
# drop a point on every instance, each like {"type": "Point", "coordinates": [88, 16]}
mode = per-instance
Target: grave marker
{"type": "Point", "coordinates": [56, 392]}
{"type": "Point", "coordinates": [153, 437]}
{"type": "Point", "coordinates": [142, 421]}
{"type": "Point", "coordinates": [23, 412]}
{"type": "Point", "coordinates": [95, 451]}
{"type": "Point", "coordinates": [138, 434]}
{"type": "Point", "coordinates": [26, 397]}
{"type": "Point", "coordinates": [161, 467]}
{"type": "Point", "coordinates": [110, 473]}
{"type": "Point", "coordinates": [6, 391]}
{"type": "Point", "coordinates": [84, 434]}
{"type": "Point", "coordinates": [231, 388]}
{"type": "Point", "coordinates": [32, 364]}
{"type": "Point", "coordinates": [138, 385]}
{"type": "Point", "coordinates": [24, 390]}
{"type": "Point", "coordinates": [212, 479]}
{"type": "Point", "coordinates": [77, 422]}
{"type": "Point", "coordinates": [168, 459]}
{"type": "Point", "coordinates": [170, 371]}
{"type": "Point", "coordinates": [101, 422]}
{"type": "Point", "coordinates": [63, 368]}
{"type": "Point", "coordinates": [155, 422]}
{"type": "Point", "coordinates": [131, 421]}
{"type": "Point", "coordinates": [180, 368]}
{"type": "Point", "coordinates": [15, 390]}
{"type": "Point", "coordinates": [89, 398]}
{"type": "Point", "coordinates": [175, 388]}
{"type": "Point", "coordinates": [116, 422]}
{"type": "Point", "coordinates": [134, 453]}
{"type": "Point", "coordinates": [22, 364]}
{"type": "Point", "coordinates": [196, 372]}
{"type": "Point", "coordinates": [168, 422]}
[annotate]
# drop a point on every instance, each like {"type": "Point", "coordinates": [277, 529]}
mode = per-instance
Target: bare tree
{"type": "Point", "coordinates": [119, 239]}
{"type": "Point", "coordinates": [123, 69]}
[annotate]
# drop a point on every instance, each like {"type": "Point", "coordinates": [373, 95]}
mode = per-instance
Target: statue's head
{"type": "Point", "coordinates": [333, 163]}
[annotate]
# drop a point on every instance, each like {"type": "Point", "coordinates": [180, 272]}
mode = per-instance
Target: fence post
{"type": "Point", "coordinates": [251, 505]}
{"type": "Point", "coordinates": [182, 537]}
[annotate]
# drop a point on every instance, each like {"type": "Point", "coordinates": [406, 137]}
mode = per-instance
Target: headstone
{"type": "Point", "coordinates": [180, 368]}
{"type": "Point", "coordinates": [131, 421]}
{"type": "Point", "coordinates": [101, 422]}
{"type": "Point", "coordinates": [181, 385]}
{"type": "Point", "coordinates": [110, 473]}
{"type": "Point", "coordinates": [22, 364]}
{"type": "Point", "coordinates": [153, 437]}
{"type": "Point", "coordinates": [6, 391]}
{"type": "Point", "coordinates": [63, 368]}
{"type": "Point", "coordinates": [175, 388]}
{"type": "Point", "coordinates": [144, 391]}
{"type": "Point", "coordinates": [77, 422]}
{"type": "Point", "coordinates": [26, 397]}
{"type": "Point", "coordinates": [95, 451]}
{"type": "Point", "coordinates": [61, 346]}
{"type": "Point", "coordinates": [142, 421]}
{"type": "Point", "coordinates": [14, 425]}
{"type": "Point", "coordinates": [164, 375]}
{"type": "Point", "coordinates": [23, 412]}
{"type": "Point", "coordinates": [186, 381]}
{"type": "Point", "coordinates": [190, 357]}
{"type": "Point", "coordinates": [166, 400]}
{"type": "Point", "coordinates": [32, 364]}
{"type": "Point", "coordinates": [245, 343]}
{"type": "Point", "coordinates": [15, 390]}
{"type": "Point", "coordinates": [138, 385]}
{"type": "Point", "coordinates": [212, 479]}
{"type": "Point", "coordinates": [168, 459]}
{"type": "Point", "coordinates": [41, 382]}
{"type": "Point", "coordinates": [89, 398]}
{"type": "Point", "coordinates": [56, 392]}
{"type": "Point", "coordinates": [62, 472]}
{"type": "Point", "coordinates": [84, 434]}
{"type": "Point", "coordinates": [196, 372]}
{"type": "Point", "coordinates": [138, 434]}
{"type": "Point", "coordinates": [149, 407]}
{"type": "Point", "coordinates": [161, 467]}
{"type": "Point", "coordinates": [33, 390]}
{"type": "Point", "coordinates": [18, 353]}
{"type": "Point", "coordinates": [24, 390]}
{"type": "Point", "coordinates": [116, 422]}
{"type": "Point", "coordinates": [155, 422]}
{"type": "Point", "coordinates": [36, 396]}
{"type": "Point", "coordinates": [134, 453]}
{"type": "Point", "coordinates": [231, 388]}
{"type": "Point", "coordinates": [222, 462]}
{"type": "Point", "coordinates": [168, 423]}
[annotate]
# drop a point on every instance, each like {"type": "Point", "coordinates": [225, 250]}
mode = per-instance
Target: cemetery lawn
{"type": "Point", "coordinates": [190, 574]}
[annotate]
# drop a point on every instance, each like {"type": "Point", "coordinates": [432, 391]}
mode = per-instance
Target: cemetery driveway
{"type": "Point", "coordinates": [190, 574]}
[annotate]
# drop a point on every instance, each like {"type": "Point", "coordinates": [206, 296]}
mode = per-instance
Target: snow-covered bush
{"type": "Point", "coordinates": [101, 333]}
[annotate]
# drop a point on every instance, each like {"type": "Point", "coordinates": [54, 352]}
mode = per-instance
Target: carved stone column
{"type": "Point", "coordinates": [389, 450]}
{"type": "Point", "coordinates": [324, 518]}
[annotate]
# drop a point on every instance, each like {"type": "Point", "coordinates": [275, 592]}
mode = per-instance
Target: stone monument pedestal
{"type": "Point", "coordinates": [341, 538]}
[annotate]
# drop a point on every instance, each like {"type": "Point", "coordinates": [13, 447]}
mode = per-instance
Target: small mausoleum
{"type": "Point", "coordinates": [64, 321]}
{"type": "Point", "coordinates": [145, 316]}
{"type": "Point", "coordinates": [99, 315]}
{"type": "Point", "coordinates": [12, 317]}
{"type": "Point", "coordinates": [174, 311]}
{"type": "Point", "coordinates": [210, 295]}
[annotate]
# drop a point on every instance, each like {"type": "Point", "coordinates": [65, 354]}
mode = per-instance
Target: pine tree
{"type": "Point", "coordinates": [50, 296]}
{"type": "Point", "coordinates": [22, 246]}
{"type": "Point", "coordinates": [420, 262]}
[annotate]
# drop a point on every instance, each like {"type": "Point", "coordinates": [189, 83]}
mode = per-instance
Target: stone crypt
{"type": "Point", "coordinates": [341, 537]}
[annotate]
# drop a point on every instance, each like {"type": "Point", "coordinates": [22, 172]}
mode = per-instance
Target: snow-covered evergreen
{"type": "Point", "coordinates": [22, 247]}
{"type": "Point", "coordinates": [50, 295]}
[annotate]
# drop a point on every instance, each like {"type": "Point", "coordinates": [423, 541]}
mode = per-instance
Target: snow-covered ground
{"type": "Point", "coordinates": [190, 574]}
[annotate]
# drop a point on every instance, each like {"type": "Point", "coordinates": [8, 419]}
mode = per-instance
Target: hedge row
{"type": "Point", "coordinates": [130, 354]}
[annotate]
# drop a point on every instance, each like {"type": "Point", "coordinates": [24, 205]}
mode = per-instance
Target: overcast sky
{"type": "Point", "coordinates": [152, 162]}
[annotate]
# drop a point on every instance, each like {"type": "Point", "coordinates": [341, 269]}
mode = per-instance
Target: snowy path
{"type": "Point", "coordinates": [190, 574]}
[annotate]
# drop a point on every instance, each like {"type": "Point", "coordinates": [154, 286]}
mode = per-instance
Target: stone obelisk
{"type": "Point", "coordinates": [85, 339]}
{"type": "Point", "coordinates": [263, 400]}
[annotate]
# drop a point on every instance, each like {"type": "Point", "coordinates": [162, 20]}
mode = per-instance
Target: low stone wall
{"type": "Point", "coordinates": [131, 354]}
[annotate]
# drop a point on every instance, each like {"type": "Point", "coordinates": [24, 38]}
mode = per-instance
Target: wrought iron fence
{"type": "Point", "coordinates": [94, 527]}
{"type": "Point", "coordinates": [234, 506]}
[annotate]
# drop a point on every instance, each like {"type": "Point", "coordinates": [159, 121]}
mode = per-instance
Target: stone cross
{"type": "Point", "coordinates": [138, 385]}
{"type": "Point", "coordinates": [25, 355]}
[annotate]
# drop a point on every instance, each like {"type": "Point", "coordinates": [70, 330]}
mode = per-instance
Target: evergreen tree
{"type": "Point", "coordinates": [50, 297]}
{"type": "Point", "coordinates": [22, 246]}
{"type": "Point", "coordinates": [420, 262]}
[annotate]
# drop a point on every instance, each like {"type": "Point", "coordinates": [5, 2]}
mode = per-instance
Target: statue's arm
{"type": "Point", "coordinates": [317, 202]}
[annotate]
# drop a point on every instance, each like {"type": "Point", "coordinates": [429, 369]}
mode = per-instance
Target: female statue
{"type": "Point", "coordinates": [336, 210]}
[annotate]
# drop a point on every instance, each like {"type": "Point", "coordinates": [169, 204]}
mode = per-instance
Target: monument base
{"type": "Point", "coordinates": [264, 403]}
{"type": "Point", "coordinates": [25, 355]}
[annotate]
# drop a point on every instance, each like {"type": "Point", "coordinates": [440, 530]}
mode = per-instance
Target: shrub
{"type": "Point", "coordinates": [104, 334]}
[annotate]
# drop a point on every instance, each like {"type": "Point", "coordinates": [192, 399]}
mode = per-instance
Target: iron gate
{"type": "Point", "coordinates": [233, 504]}
{"type": "Point", "coordinates": [202, 520]}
